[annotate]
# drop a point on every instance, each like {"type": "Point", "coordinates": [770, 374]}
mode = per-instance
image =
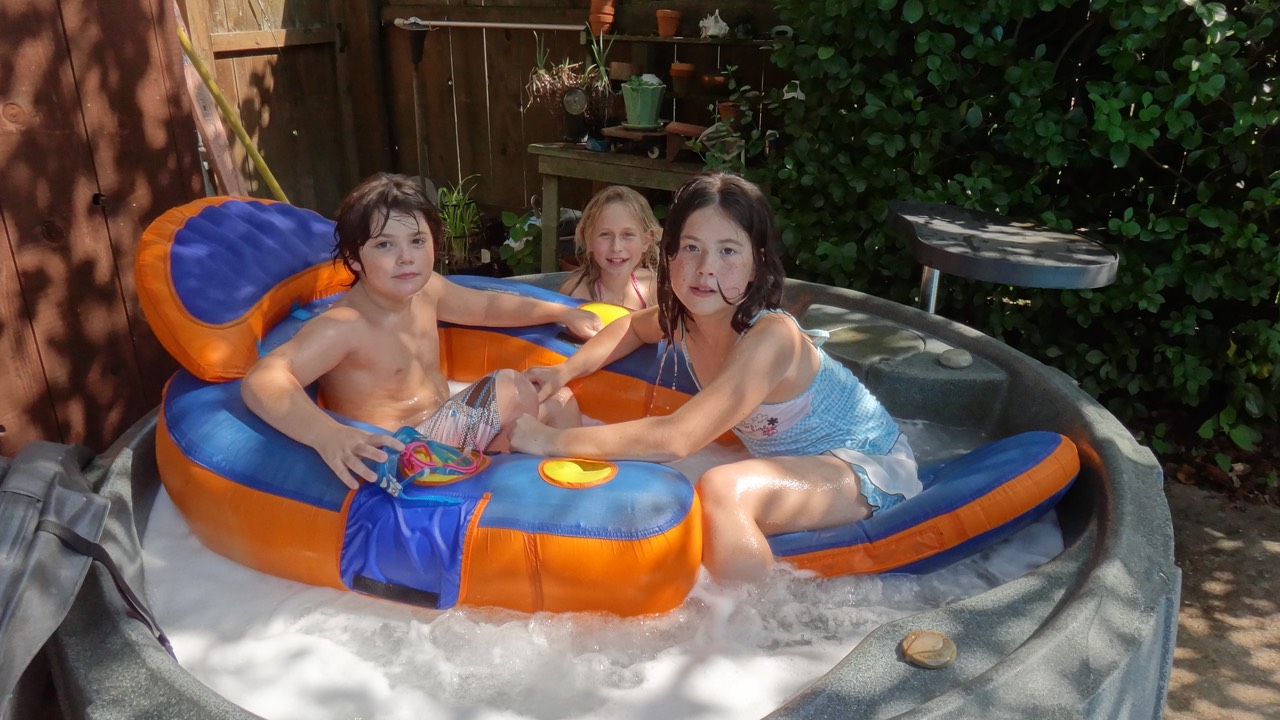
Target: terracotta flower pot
{"type": "Point", "coordinates": [714, 82]}
{"type": "Point", "coordinates": [668, 23]}
{"type": "Point", "coordinates": [620, 70]}
{"type": "Point", "coordinates": [600, 18]}
{"type": "Point", "coordinates": [728, 112]}
{"type": "Point", "coordinates": [600, 22]}
{"type": "Point", "coordinates": [681, 78]}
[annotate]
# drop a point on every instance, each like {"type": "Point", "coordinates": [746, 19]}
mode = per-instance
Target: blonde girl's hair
{"type": "Point", "coordinates": [588, 271]}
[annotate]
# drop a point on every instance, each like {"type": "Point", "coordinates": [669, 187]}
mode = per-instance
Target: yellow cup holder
{"type": "Point", "coordinates": [607, 312]}
{"type": "Point", "coordinates": [576, 474]}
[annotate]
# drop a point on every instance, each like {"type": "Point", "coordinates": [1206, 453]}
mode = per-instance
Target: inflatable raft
{"type": "Point", "coordinates": [223, 280]}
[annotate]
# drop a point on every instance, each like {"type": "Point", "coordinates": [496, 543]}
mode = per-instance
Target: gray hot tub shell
{"type": "Point", "coordinates": [1089, 634]}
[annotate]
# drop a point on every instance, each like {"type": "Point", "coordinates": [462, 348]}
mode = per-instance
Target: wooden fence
{"type": "Point", "coordinates": [97, 139]}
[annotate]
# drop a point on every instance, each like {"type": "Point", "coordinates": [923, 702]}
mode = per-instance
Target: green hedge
{"type": "Point", "coordinates": [1150, 126]}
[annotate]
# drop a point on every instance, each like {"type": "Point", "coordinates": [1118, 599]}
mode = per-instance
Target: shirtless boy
{"type": "Point", "coordinates": [376, 352]}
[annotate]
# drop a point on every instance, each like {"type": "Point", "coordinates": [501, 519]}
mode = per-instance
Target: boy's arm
{"type": "Point", "coordinates": [486, 308]}
{"type": "Point", "coordinates": [274, 390]}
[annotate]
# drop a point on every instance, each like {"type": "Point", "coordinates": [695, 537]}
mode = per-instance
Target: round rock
{"type": "Point", "coordinates": [955, 358]}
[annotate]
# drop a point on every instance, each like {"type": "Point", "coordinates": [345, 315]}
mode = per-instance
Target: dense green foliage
{"type": "Point", "coordinates": [1151, 126]}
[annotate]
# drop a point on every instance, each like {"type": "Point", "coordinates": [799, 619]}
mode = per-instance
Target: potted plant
{"type": "Point", "coordinates": [461, 219]}
{"type": "Point", "coordinates": [642, 95]}
{"type": "Point", "coordinates": [575, 90]}
{"type": "Point", "coordinates": [524, 241]}
{"type": "Point", "coordinates": [737, 138]}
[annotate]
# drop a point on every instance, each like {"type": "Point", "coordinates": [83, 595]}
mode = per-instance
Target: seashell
{"type": "Point", "coordinates": [928, 649]}
{"type": "Point", "coordinates": [712, 26]}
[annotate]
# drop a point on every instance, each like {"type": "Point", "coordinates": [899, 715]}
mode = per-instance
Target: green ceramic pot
{"type": "Point", "coordinates": [642, 104]}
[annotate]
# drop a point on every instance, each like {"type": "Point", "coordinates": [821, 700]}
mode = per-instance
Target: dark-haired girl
{"type": "Point", "coordinates": [824, 451]}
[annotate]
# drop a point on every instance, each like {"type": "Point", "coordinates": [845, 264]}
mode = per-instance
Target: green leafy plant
{"type": "Point", "coordinates": [524, 240]}
{"type": "Point", "coordinates": [1149, 126]}
{"type": "Point", "coordinates": [598, 67]}
{"type": "Point", "coordinates": [461, 219]}
{"type": "Point", "coordinates": [737, 144]}
{"type": "Point", "coordinates": [643, 81]}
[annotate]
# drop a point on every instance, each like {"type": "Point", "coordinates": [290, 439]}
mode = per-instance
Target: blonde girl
{"type": "Point", "coordinates": [617, 242]}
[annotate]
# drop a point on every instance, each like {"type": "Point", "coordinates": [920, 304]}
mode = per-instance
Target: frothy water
{"type": "Point", "coordinates": [285, 650]}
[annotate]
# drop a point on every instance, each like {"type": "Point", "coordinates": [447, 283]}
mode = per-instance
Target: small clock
{"type": "Point", "coordinates": [575, 101]}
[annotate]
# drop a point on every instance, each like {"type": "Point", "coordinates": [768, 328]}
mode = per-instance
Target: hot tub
{"type": "Point", "coordinates": [1089, 634]}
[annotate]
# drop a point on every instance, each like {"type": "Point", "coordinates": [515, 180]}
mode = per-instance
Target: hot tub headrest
{"type": "Point", "coordinates": [215, 274]}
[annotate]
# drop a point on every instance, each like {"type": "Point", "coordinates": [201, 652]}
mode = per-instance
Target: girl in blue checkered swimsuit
{"type": "Point", "coordinates": [824, 451]}
{"type": "Point", "coordinates": [836, 415]}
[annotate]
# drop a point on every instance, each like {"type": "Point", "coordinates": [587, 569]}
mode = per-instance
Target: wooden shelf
{"type": "Point", "coordinates": [750, 42]}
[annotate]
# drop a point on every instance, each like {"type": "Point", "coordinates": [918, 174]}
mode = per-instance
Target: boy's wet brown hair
{"type": "Point", "coordinates": [365, 210]}
{"type": "Point", "coordinates": [747, 207]}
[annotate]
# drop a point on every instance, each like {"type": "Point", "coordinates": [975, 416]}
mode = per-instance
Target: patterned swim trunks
{"type": "Point", "coordinates": [469, 419]}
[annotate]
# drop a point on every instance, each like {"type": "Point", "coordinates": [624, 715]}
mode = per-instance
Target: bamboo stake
{"type": "Point", "coordinates": [232, 118]}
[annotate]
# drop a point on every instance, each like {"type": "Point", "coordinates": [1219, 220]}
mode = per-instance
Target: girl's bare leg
{"type": "Point", "coordinates": [745, 501]}
{"type": "Point", "coordinates": [516, 397]}
{"type": "Point", "coordinates": [560, 410]}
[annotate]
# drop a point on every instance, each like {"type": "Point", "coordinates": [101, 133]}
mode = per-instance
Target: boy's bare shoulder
{"type": "Point", "coordinates": [338, 324]}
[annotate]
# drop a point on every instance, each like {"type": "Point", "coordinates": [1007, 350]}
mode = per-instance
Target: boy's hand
{"type": "Point", "coordinates": [582, 323]}
{"type": "Point", "coordinates": [529, 435]}
{"type": "Point", "coordinates": [344, 449]}
{"type": "Point", "coordinates": [548, 379]}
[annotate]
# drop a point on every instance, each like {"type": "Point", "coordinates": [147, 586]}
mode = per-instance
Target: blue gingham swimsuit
{"type": "Point", "coordinates": [838, 416]}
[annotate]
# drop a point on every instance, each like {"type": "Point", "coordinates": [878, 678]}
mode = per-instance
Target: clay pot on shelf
{"type": "Point", "coordinates": [601, 16]}
{"type": "Point", "coordinates": [668, 23]}
{"type": "Point", "coordinates": [715, 83]}
{"type": "Point", "coordinates": [728, 112]}
{"type": "Point", "coordinates": [620, 71]}
{"type": "Point", "coordinates": [600, 23]}
{"type": "Point", "coordinates": [681, 78]}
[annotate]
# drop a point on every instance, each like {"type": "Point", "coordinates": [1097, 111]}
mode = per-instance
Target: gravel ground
{"type": "Point", "coordinates": [1227, 660]}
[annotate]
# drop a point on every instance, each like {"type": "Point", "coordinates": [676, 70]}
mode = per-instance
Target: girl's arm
{"type": "Point", "coordinates": [764, 358]}
{"type": "Point", "coordinates": [618, 339]}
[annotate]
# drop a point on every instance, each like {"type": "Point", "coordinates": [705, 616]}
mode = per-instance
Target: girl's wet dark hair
{"type": "Point", "coordinates": [746, 206]}
{"type": "Point", "coordinates": [365, 210]}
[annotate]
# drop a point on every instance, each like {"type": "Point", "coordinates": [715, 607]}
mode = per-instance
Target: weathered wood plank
{"type": "Point", "coordinates": [27, 412]}
{"type": "Point", "coordinates": [213, 131]}
{"type": "Point", "coordinates": [366, 85]}
{"type": "Point", "coordinates": [286, 103]}
{"type": "Point", "coordinates": [342, 91]}
{"type": "Point", "coordinates": [438, 108]}
{"type": "Point", "coordinates": [471, 106]}
{"type": "Point", "coordinates": [198, 15]}
{"type": "Point", "coordinates": [399, 89]}
{"type": "Point", "coordinates": [142, 137]}
{"type": "Point", "coordinates": [62, 251]}
{"type": "Point", "coordinates": [257, 40]}
{"type": "Point", "coordinates": [510, 186]}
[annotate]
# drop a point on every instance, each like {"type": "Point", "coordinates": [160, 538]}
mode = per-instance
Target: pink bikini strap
{"type": "Point", "coordinates": [634, 284]}
{"type": "Point", "coordinates": [639, 294]}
